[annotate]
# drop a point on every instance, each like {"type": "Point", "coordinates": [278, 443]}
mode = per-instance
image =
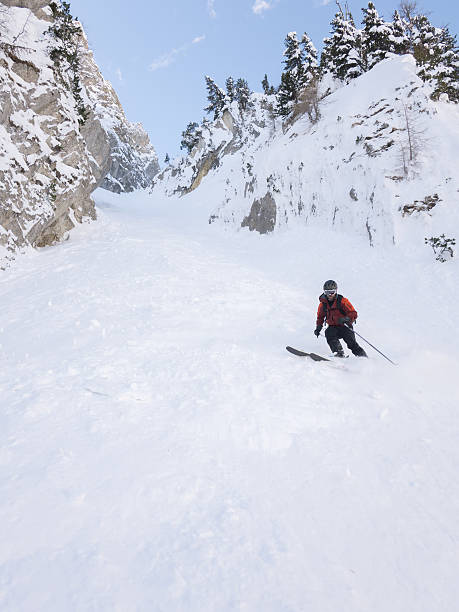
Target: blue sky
{"type": "Point", "coordinates": [156, 53]}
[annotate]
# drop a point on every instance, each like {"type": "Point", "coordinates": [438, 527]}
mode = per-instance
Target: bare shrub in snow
{"type": "Point", "coordinates": [408, 10]}
{"type": "Point", "coordinates": [442, 247]}
{"type": "Point", "coordinates": [412, 139]}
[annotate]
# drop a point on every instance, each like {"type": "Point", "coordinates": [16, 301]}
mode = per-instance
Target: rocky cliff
{"type": "Point", "coordinates": [379, 149]}
{"type": "Point", "coordinates": [127, 158]}
{"type": "Point", "coordinates": [51, 159]}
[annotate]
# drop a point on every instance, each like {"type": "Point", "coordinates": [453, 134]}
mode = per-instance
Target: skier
{"type": "Point", "coordinates": [339, 315]}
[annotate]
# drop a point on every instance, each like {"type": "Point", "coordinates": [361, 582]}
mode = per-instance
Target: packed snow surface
{"type": "Point", "coordinates": [162, 451]}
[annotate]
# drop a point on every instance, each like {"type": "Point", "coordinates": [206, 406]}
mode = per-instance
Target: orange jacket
{"type": "Point", "coordinates": [330, 312]}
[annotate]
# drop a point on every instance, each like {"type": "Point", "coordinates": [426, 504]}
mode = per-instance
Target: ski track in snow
{"type": "Point", "coordinates": [160, 450]}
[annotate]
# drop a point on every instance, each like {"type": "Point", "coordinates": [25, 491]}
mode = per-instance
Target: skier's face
{"type": "Point", "coordinates": [330, 293]}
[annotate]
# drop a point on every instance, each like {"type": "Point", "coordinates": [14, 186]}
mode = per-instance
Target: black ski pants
{"type": "Point", "coordinates": [334, 333]}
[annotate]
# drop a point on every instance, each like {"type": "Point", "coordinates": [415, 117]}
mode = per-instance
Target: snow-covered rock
{"type": "Point", "coordinates": [45, 174]}
{"type": "Point", "coordinates": [350, 170]}
{"type": "Point", "coordinates": [122, 149]}
{"type": "Point", "coordinates": [233, 133]}
{"type": "Point", "coordinates": [36, 6]}
{"type": "Point", "coordinates": [49, 163]}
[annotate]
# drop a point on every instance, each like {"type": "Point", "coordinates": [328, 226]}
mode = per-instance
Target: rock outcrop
{"type": "Point", "coordinates": [36, 6]}
{"type": "Point", "coordinates": [50, 159]}
{"type": "Point", "coordinates": [262, 216]}
{"type": "Point", "coordinates": [233, 132]}
{"type": "Point", "coordinates": [45, 174]}
{"type": "Point", "coordinates": [377, 144]}
{"type": "Point", "coordinates": [122, 149]}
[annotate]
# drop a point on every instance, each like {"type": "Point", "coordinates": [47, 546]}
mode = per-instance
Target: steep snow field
{"type": "Point", "coordinates": [345, 171]}
{"type": "Point", "coordinates": [160, 450]}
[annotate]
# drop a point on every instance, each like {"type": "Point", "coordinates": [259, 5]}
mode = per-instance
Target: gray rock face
{"type": "Point", "coordinates": [124, 154]}
{"type": "Point", "coordinates": [45, 174]}
{"type": "Point", "coordinates": [232, 133]}
{"type": "Point", "coordinates": [211, 160]}
{"type": "Point", "coordinates": [133, 161]}
{"type": "Point", "coordinates": [35, 6]}
{"type": "Point", "coordinates": [49, 163]}
{"type": "Point", "coordinates": [262, 216]}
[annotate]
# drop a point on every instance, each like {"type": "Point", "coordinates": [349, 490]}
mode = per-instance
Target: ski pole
{"type": "Point", "coordinates": [374, 347]}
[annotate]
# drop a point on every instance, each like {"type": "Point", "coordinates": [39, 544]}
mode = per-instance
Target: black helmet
{"type": "Point", "coordinates": [330, 285]}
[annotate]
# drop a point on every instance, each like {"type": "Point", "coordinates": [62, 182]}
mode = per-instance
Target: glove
{"type": "Point", "coordinates": [345, 321]}
{"type": "Point", "coordinates": [317, 330]}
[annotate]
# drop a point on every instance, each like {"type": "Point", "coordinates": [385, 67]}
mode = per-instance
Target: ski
{"type": "Point", "coordinates": [312, 356]}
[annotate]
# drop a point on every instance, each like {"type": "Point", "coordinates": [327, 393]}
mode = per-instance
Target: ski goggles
{"type": "Point", "coordinates": [330, 291]}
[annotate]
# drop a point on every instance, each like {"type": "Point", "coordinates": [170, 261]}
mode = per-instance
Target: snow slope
{"type": "Point", "coordinates": [344, 172]}
{"type": "Point", "coordinates": [160, 450]}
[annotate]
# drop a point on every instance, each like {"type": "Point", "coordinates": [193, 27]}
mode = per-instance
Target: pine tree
{"type": "Point", "coordinates": [376, 37]}
{"type": "Point", "coordinates": [436, 54]}
{"type": "Point", "coordinates": [424, 41]}
{"type": "Point", "coordinates": [294, 61]}
{"type": "Point", "coordinates": [217, 98]}
{"type": "Point", "coordinates": [300, 68]}
{"type": "Point", "coordinates": [242, 94]}
{"type": "Point", "coordinates": [341, 54]}
{"type": "Point", "coordinates": [64, 29]}
{"type": "Point", "coordinates": [230, 88]}
{"type": "Point", "coordinates": [65, 53]}
{"type": "Point", "coordinates": [446, 67]}
{"type": "Point", "coordinates": [268, 89]}
{"type": "Point", "coordinates": [309, 58]}
{"type": "Point", "coordinates": [286, 94]}
{"type": "Point", "coordinates": [424, 36]}
{"type": "Point", "coordinates": [400, 42]}
{"type": "Point", "coordinates": [190, 136]}
{"type": "Point", "coordinates": [265, 84]}
{"type": "Point", "coordinates": [326, 59]}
